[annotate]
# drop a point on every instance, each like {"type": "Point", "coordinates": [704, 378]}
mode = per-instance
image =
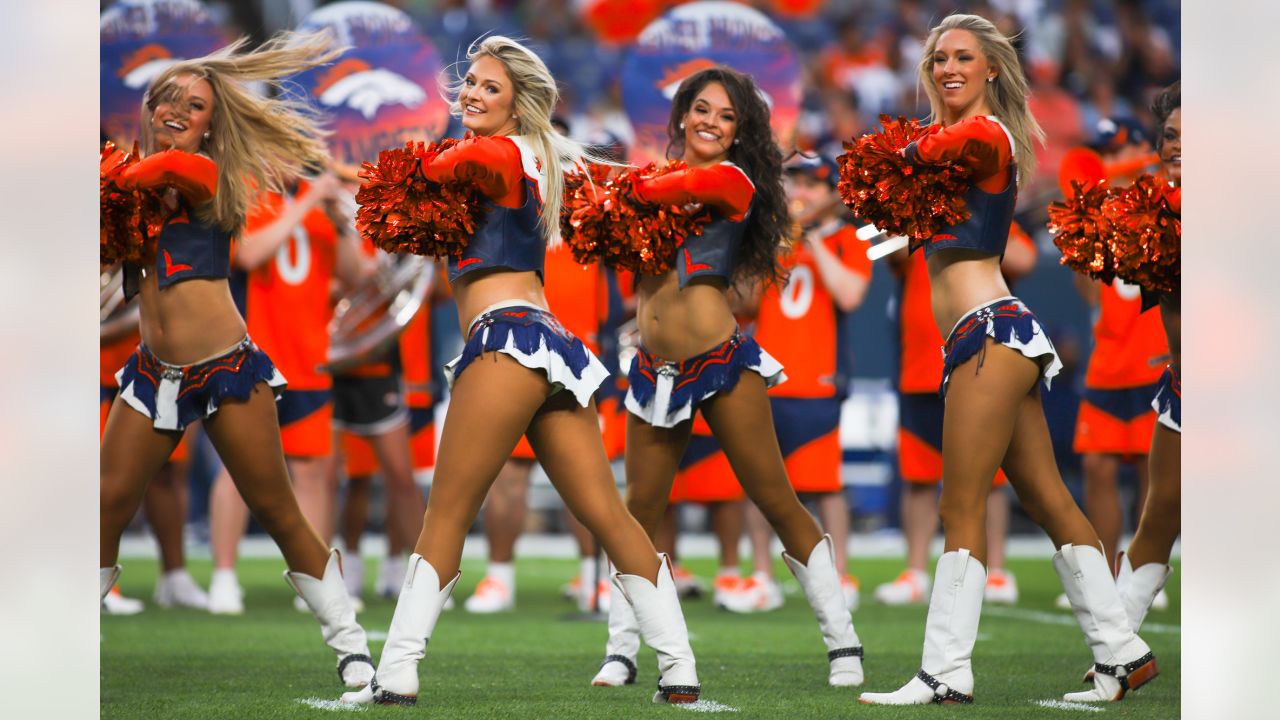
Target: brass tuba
{"type": "Point", "coordinates": [368, 319]}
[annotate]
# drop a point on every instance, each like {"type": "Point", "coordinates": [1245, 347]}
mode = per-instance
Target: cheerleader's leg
{"type": "Point", "coordinates": [566, 438]}
{"type": "Point", "coordinates": [247, 438]}
{"type": "Point", "coordinates": [652, 459]}
{"type": "Point", "coordinates": [1161, 521]}
{"type": "Point", "coordinates": [132, 453]}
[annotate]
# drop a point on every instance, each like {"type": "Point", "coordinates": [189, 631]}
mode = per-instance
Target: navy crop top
{"type": "Point", "coordinates": [188, 247]}
{"type": "Point", "coordinates": [729, 196]}
{"type": "Point", "coordinates": [986, 145]}
{"type": "Point", "coordinates": [510, 176]}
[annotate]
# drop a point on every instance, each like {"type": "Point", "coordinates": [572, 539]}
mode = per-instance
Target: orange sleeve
{"type": "Point", "coordinates": [978, 143]}
{"type": "Point", "coordinates": [195, 176]}
{"type": "Point", "coordinates": [492, 163]}
{"type": "Point", "coordinates": [852, 252]}
{"type": "Point", "coordinates": [724, 186]}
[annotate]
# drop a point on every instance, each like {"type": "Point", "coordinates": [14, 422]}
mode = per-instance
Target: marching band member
{"type": "Point", "coordinates": [694, 358]}
{"type": "Point", "coordinates": [520, 373]}
{"type": "Point", "coordinates": [208, 140]}
{"type": "Point", "coordinates": [997, 354]}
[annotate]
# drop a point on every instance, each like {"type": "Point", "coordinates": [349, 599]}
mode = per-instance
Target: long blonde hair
{"type": "Point", "coordinates": [259, 143]}
{"type": "Point", "coordinates": [535, 97]}
{"type": "Point", "coordinates": [1006, 95]}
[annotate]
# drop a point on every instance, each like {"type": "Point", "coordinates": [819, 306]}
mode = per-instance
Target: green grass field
{"type": "Point", "coordinates": [537, 662]}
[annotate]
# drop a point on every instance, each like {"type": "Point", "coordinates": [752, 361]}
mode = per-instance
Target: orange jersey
{"type": "Point", "coordinates": [415, 357]}
{"type": "Point", "coordinates": [573, 294]}
{"type": "Point", "coordinates": [288, 296]}
{"type": "Point", "coordinates": [797, 322]}
{"type": "Point", "coordinates": [1128, 344]}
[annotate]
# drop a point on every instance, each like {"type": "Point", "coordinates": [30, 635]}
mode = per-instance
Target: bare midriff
{"type": "Point", "coordinates": [677, 324]}
{"type": "Point", "coordinates": [190, 321]}
{"type": "Point", "coordinates": [476, 291]}
{"type": "Point", "coordinates": [960, 281]}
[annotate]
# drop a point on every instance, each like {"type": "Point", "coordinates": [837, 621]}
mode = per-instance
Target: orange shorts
{"type": "Point", "coordinates": [361, 461]}
{"type": "Point", "coordinates": [920, 439]}
{"type": "Point", "coordinates": [1118, 422]}
{"type": "Point", "coordinates": [106, 396]}
{"type": "Point", "coordinates": [808, 432]}
{"type": "Point", "coordinates": [306, 422]}
{"type": "Point", "coordinates": [705, 475]}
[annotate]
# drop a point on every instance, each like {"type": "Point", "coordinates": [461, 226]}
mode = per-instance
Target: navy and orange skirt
{"type": "Point", "coordinates": [535, 339]}
{"type": "Point", "coordinates": [175, 396]}
{"type": "Point", "coordinates": [666, 393]}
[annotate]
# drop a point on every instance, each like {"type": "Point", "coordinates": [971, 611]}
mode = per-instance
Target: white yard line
{"type": "Point", "coordinates": [706, 706]}
{"type": "Point", "coordinates": [1064, 705]}
{"type": "Point", "coordinates": [1048, 618]}
{"type": "Point", "coordinates": [330, 705]}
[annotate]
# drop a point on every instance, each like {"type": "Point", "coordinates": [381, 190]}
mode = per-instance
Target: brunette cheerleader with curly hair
{"type": "Point", "coordinates": [694, 358]}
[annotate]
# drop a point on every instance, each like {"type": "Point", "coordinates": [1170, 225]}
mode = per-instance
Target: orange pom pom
{"type": "Point", "coordinates": [402, 211]}
{"type": "Point", "coordinates": [610, 224]}
{"type": "Point", "coordinates": [1081, 231]}
{"type": "Point", "coordinates": [129, 221]}
{"type": "Point", "coordinates": [899, 197]}
{"type": "Point", "coordinates": [1146, 234]}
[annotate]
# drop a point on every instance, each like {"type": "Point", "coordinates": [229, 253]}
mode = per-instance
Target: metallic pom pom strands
{"type": "Point", "coordinates": [885, 189]}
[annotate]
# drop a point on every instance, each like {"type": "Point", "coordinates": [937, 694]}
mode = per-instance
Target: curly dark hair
{"type": "Point", "coordinates": [756, 153]}
{"type": "Point", "coordinates": [1167, 100]}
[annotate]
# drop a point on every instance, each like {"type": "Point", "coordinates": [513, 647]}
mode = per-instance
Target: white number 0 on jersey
{"type": "Point", "coordinates": [294, 267]}
{"type": "Point", "coordinates": [797, 296]}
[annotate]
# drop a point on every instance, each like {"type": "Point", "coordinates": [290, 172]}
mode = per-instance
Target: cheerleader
{"type": "Point", "coordinates": [693, 356]}
{"type": "Point", "coordinates": [520, 373]}
{"type": "Point", "coordinates": [208, 139]}
{"type": "Point", "coordinates": [997, 354]}
{"type": "Point", "coordinates": [1144, 569]}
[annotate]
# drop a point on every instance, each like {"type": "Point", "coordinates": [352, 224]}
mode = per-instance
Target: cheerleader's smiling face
{"type": "Point", "coordinates": [181, 113]}
{"type": "Point", "coordinates": [960, 75]}
{"type": "Point", "coordinates": [1171, 146]}
{"type": "Point", "coordinates": [710, 126]}
{"type": "Point", "coordinates": [488, 99]}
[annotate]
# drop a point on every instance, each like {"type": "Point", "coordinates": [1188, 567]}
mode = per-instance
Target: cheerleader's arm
{"type": "Point", "coordinates": [725, 187]}
{"type": "Point", "coordinates": [492, 163]}
{"type": "Point", "coordinates": [195, 176]}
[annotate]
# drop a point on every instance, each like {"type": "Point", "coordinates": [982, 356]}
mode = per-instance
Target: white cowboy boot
{"type": "Point", "coordinates": [106, 580]}
{"type": "Point", "coordinates": [661, 622]}
{"type": "Point", "coordinates": [328, 600]}
{"type": "Point", "coordinates": [619, 666]}
{"type": "Point", "coordinates": [946, 672]}
{"type": "Point", "coordinates": [419, 606]}
{"type": "Point", "coordinates": [822, 587]}
{"type": "Point", "coordinates": [1122, 661]}
{"type": "Point", "coordinates": [1138, 588]}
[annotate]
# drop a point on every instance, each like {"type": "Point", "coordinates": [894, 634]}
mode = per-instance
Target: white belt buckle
{"type": "Point", "coordinates": [666, 380]}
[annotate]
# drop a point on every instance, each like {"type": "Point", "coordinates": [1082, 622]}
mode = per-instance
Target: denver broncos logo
{"type": "Point", "coordinates": [355, 84]}
{"type": "Point", "coordinates": [672, 78]}
{"type": "Point", "coordinates": [142, 66]}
